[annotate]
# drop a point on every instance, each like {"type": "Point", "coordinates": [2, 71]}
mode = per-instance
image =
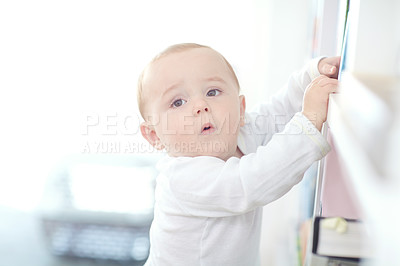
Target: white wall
{"type": "Point", "coordinates": [282, 44]}
{"type": "Point", "coordinates": [62, 61]}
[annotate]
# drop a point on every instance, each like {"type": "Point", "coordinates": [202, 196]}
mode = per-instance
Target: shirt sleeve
{"type": "Point", "coordinates": [217, 188]}
{"type": "Point", "coordinates": [271, 117]}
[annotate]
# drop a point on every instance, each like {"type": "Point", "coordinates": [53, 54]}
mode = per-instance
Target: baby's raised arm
{"type": "Point", "coordinates": [270, 117]}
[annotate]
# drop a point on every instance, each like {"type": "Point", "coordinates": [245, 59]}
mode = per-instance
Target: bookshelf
{"type": "Point", "coordinates": [364, 121]}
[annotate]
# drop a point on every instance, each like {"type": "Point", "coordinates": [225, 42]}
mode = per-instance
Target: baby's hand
{"type": "Point", "coordinates": [316, 97]}
{"type": "Point", "coordinates": [329, 66]}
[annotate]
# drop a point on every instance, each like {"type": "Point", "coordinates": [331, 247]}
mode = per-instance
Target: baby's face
{"type": "Point", "coordinates": [194, 104]}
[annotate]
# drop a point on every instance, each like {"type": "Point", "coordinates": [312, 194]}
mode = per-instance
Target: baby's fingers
{"type": "Point", "coordinates": [329, 66]}
{"type": "Point", "coordinates": [329, 70]}
{"type": "Point", "coordinates": [331, 88]}
{"type": "Point", "coordinates": [317, 80]}
{"type": "Point", "coordinates": [327, 81]}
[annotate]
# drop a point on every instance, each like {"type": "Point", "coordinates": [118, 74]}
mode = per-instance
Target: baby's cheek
{"type": "Point", "coordinates": [234, 126]}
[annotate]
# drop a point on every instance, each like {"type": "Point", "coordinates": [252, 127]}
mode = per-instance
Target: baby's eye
{"type": "Point", "coordinates": [178, 103]}
{"type": "Point", "coordinates": [213, 92]}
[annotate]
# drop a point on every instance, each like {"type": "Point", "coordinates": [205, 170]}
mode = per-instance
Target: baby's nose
{"type": "Point", "coordinates": [200, 110]}
{"type": "Point", "coordinates": [200, 107]}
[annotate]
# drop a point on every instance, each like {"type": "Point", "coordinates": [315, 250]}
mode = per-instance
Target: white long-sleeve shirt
{"type": "Point", "coordinates": [208, 211]}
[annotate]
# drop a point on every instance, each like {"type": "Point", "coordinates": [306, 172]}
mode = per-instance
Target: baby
{"type": "Point", "coordinates": [223, 164]}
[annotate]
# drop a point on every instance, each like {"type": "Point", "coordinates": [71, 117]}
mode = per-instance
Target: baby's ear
{"type": "Point", "coordinates": [242, 100]}
{"type": "Point", "coordinates": [149, 133]}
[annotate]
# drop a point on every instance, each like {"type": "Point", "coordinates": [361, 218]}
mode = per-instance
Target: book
{"type": "Point", "coordinates": [341, 240]}
{"type": "Point", "coordinates": [345, 241]}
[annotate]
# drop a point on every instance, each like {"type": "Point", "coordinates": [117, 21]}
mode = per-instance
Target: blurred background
{"type": "Point", "coordinates": [75, 172]}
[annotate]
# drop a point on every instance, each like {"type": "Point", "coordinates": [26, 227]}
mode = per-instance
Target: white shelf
{"type": "Point", "coordinates": [364, 120]}
{"type": "Point", "coordinates": [364, 117]}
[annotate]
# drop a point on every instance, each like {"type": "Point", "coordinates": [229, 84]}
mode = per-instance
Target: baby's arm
{"type": "Point", "coordinates": [288, 100]}
{"type": "Point", "coordinates": [209, 187]}
{"type": "Point", "coordinates": [269, 118]}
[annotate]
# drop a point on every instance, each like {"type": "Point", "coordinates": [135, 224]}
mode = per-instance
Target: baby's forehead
{"type": "Point", "coordinates": [183, 57]}
{"type": "Point", "coordinates": [175, 64]}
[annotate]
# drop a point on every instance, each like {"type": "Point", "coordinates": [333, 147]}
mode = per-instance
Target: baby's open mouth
{"type": "Point", "coordinates": [207, 128]}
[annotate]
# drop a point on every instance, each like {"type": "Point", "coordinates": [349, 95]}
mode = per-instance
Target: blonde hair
{"type": "Point", "coordinates": [176, 48]}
